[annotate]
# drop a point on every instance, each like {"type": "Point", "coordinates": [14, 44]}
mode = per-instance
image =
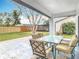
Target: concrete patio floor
{"type": "Point", "coordinates": [15, 49]}
{"type": "Point", "coordinates": [20, 49]}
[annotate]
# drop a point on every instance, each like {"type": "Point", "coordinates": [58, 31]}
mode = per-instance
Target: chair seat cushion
{"type": "Point", "coordinates": [64, 48]}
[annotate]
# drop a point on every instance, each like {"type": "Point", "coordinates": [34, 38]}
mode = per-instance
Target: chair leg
{"type": "Point", "coordinates": [58, 52]}
{"type": "Point", "coordinates": [73, 55]}
{"type": "Point", "coordinates": [54, 53]}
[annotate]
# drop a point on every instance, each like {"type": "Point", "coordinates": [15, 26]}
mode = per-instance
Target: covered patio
{"type": "Point", "coordinates": [55, 9]}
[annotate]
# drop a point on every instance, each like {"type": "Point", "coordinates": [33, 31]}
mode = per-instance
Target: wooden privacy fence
{"type": "Point", "coordinates": [14, 29]}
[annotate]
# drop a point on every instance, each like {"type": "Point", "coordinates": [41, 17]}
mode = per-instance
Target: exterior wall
{"type": "Point", "coordinates": [59, 24]}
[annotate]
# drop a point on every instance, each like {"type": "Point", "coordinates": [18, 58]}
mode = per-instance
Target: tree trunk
{"type": "Point", "coordinates": [34, 29]}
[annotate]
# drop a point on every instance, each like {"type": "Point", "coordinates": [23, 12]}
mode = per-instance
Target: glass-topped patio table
{"type": "Point", "coordinates": [53, 40]}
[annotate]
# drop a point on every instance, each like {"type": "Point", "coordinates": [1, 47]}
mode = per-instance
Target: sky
{"type": "Point", "coordinates": [7, 5]}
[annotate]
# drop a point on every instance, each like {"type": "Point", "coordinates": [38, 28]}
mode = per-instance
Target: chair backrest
{"type": "Point", "coordinates": [38, 48]}
{"type": "Point", "coordinates": [74, 41]}
{"type": "Point", "coordinates": [36, 36]}
{"type": "Point", "coordinates": [40, 34]}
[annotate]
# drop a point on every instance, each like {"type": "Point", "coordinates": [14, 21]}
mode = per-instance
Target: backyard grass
{"type": "Point", "coordinates": [67, 36]}
{"type": "Point", "coordinates": [9, 36]}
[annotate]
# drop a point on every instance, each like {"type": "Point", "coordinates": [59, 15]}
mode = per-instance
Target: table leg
{"type": "Point", "coordinates": [54, 52]}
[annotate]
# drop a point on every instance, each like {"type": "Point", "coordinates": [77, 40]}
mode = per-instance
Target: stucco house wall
{"type": "Point", "coordinates": [59, 24]}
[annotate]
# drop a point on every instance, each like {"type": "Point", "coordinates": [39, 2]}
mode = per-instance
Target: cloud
{"type": "Point", "coordinates": [24, 20]}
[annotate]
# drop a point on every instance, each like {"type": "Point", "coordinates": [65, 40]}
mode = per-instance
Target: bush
{"type": "Point", "coordinates": [68, 28]}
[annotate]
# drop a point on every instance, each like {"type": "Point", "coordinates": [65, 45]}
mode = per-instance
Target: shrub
{"type": "Point", "coordinates": [68, 28]}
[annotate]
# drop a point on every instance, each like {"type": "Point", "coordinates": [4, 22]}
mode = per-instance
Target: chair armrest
{"type": "Point", "coordinates": [65, 41]}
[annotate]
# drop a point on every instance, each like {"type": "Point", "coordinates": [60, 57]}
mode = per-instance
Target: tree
{"type": "Point", "coordinates": [46, 22]}
{"type": "Point", "coordinates": [68, 28]}
{"type": "Point", "coordinates": [16, 15]}
{"type": "Point", "coordinates": [2, 17]}
{"type": "Point", "coordinates": [1, 22]}
{"type": "Point", "coordinates": [34, 19]}
{"type": "Point", "coordinates": [8, 20]}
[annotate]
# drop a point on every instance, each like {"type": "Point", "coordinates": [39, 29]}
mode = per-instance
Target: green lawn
{"type": "Point", "coordinates": [8, 36]}
{"type": "Point", "coordinates": [67, 36]}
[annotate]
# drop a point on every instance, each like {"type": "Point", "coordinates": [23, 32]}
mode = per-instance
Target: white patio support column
{"type": "Point", "coordinates": [76, 22]}
{"type": "Point", "coordinates": [51, 26]}
{"type": "Point", "coordinates": [77, 26]}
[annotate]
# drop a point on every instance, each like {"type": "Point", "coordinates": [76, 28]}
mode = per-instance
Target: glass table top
{"type": "Point", "coordinates": [52, 38]}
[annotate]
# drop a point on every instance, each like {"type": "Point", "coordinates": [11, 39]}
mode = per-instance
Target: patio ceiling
{"type": "Point", "coordinates": [55, 8]}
